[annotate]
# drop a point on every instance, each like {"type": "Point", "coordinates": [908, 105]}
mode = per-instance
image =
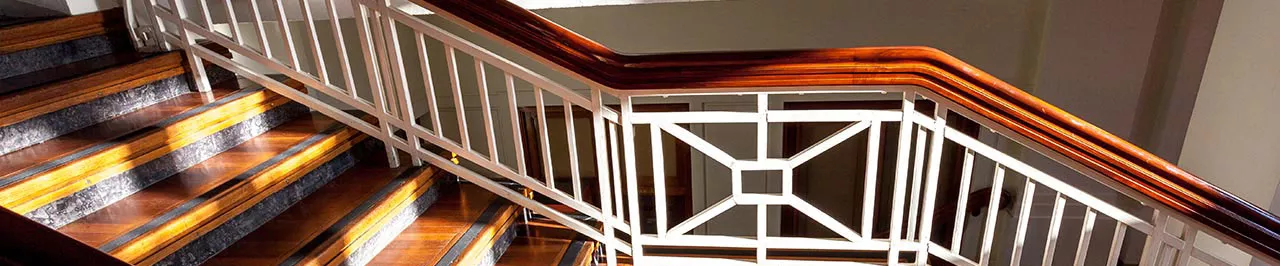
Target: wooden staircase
{"type": "Point", "coordinates": [115, 149]}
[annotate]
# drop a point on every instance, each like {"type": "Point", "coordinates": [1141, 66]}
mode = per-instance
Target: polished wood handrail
{"type": "Point", "coordinates": [929, 68]}
{"type": "Point", "coordinates": [27, 242]}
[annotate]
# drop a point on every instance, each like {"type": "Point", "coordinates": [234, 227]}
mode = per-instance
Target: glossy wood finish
{"type": "Point", "coordinates": [433, 233]}
{"type": "Point", "coordinates": [929, 68]}
{"type": "Point", "coordinates": [106, 131]}
{"type": "Point", "coordinates": [67, 71]}
{"type": "Point", "coordinates": [546, 243]}
{"type": "Point", "coordinates": [47, 186]}
{"type": "Point", "coordinates": [30, 35]}
{"type": "Point", "coordinates": [27, 242]}
{"type": "Point", "coordinates": [141, 207]}
{"type": "Point", "coordinates": [32, 102]}
{"type": "Point", "coordinates": [290, 232]}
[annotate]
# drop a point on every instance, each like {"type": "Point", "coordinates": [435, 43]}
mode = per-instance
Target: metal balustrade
{"type": "Point", "coordinates": [375, 81]}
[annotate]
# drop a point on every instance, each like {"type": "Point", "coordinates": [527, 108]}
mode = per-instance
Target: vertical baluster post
{"type": "Point", "coordinates": [1086, 233]}
{"type": "Point", "coordinates": [544, 139]}
{"type": "Point", "coordinates": [989, 229]}
{"type": "Point", "coordinates": [317, 56]}
{"type": "Point", "coordinates": [196, 64]}
{"type": "Point", "coordinates": [486, 111]}
{"type": "Point", "coordinates": [451, 59]}
{"type": "Point", "coordinates": [261, 29]}
{"type": "Point", "coordinates": [1024, 215]}
{"type": "Point", "coordinates": [433, 109]}
{"type": "Point", "coordinates": [900, 177]}
{"type": "Point", "coordinates": [518, 142]}
{"type": "Point", "coordinates": [629, 157]}
{"type": "Point", "coordinates": [291, 51]}
{"type": "Point", "coordinates": [931, 186]}
{"type": "Point", "coordinates": [602, 173]}
{"type": "Point", "coordinates": [966, 178]}
{"type": "Point", "coordinates": [1055, 224]}
{"type": "Point", "coordinates": [344, 59]}
{"type": "Point", "coordinates": [869, 185]}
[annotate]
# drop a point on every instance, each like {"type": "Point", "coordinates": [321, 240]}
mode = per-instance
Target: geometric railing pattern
{"type": "Point", "coordinates": [418, 88]}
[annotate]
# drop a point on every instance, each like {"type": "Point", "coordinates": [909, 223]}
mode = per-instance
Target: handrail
{"type": "Point", "coordinates": [930, 68]}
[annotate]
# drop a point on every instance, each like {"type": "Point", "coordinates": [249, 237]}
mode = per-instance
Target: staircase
{"type": "Point", "coordinates": [121, 153]}
{"type": "Point", "coordinates": [386, 139]}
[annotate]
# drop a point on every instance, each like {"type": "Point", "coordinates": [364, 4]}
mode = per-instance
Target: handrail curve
{"type": "Point", "coordinates": [925, 67]}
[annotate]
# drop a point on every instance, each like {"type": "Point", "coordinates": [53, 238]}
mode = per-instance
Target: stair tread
{"type": "Point", "coordinates": [29, 189]}
{"type": "Point", "coordinates": [68, 71]}
{"type": "Point", "coordinates": [279, 238]}
{"type": "Point", "coordinates": [434, 233]}
{"type": "Point", "coordinates": [78, 140]}
{"type": "Point", "coordinates": [35, 33]}
{"type": "Point", "coordinates": [158, 199]}
{"type": "Point", "coordinates": [546, 244]}
{"type": "Point", "coordinates": [31, 102]}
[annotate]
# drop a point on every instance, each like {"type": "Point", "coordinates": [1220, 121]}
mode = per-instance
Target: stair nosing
{"type": "Point", "coordinates": [99, 173]}
{"type": "Point", "coordinates": [169, 65]}
{"type": "Point", "coordinates": [191, 204]}
{"type": "Point", "coordinates": [30, 172]}
{"type": "Point", "coordinates": [342, 142]}
{"type": "Point", "coordinates": [468, 238]}
{"type": "Point", "coordinates": [360, 211]}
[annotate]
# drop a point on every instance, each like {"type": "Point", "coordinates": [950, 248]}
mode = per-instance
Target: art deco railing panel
{"type": "Point", "coordinates": [372, 65]}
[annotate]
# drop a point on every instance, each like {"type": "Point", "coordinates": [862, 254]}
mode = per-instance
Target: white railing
{"type": "Point", "coordinates": [373, 66]}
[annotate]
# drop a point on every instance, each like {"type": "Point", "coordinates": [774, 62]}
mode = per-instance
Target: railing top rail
{"type": "Point", "coordinates": [929, 68]}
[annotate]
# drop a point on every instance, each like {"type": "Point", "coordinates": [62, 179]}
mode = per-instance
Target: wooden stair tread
{"type": "Point", "coordinates": [31, 102]}
{"type": "Point", "coordinates": [107, 131]}
{"type": "Point", "coordinates": [135, 210]}
{"type": "Point", "coordinates": [441, 228]}
{"type": "Point", "coordinates": [546, 244]}
{"type": "Point", "coordinates": [68, 71]}
{"type": "Point", "coordinates": [306, 220]}
{"type": "Point", "coordinates": [26, 190]}
{"type": "Point", "coordinates": [44, 32]}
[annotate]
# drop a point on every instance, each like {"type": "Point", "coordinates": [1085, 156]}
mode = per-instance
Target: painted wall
{"type": "Point", "coordinates": [1231, 140]}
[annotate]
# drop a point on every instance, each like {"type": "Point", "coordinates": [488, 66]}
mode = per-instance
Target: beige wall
{"type": "Point", "coordinates": [1231, 141]}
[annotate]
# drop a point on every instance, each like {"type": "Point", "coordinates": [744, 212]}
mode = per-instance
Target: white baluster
{"type": "Point", "coordinates": [1086, 233]}
{"type": "Point", "coordinates": [900, 177]}
{"type": "Point", "coordinates": [993, 205]}
{"type": "Point", "coordinates": [869, 184]}
{"type": "Point", "coordinates": [571, 136]}
{"type": "Point", "coordinates": [1024, 215]}
{"type": "Point", "coordinates": [1055, 224]}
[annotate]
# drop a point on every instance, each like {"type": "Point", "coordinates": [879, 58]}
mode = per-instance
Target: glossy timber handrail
{"type": "Point", "coordinates": [932, 69]}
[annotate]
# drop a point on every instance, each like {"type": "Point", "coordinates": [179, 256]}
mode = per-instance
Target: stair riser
{"type": "Point", "coordinates": [30, 60]}
{"type": "Point", "coordinates": [396, 224]}
{"type": "Point", "coordinates": [48, 182]}
{"type": "Point", "coordinates": [579, 248]}
{"type": "Point", "coordinates": [113, 189]}
{"type": "Point", "coordinates": [51, 125]}
{"type": "Point", "coordinates": [491, 256]}
{"type": "Point", "coordinates": [166, 234]}
{"type": "Point", "coordinates": [487, 238]}
{"type": "Point", "coordinates": [209, 244]}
